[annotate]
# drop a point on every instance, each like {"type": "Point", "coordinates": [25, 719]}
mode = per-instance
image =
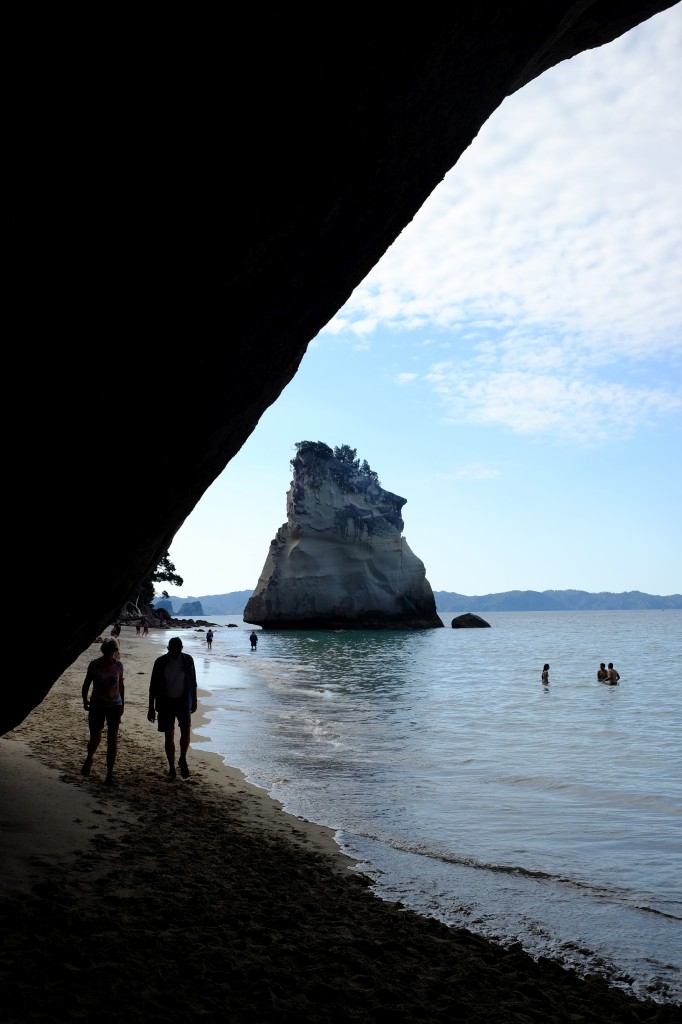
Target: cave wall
{"type": "Point", "coordinates": [196, 203]}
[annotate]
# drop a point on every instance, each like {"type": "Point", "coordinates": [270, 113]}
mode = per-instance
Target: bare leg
{"type": "Point", "coordinates": [93, 743]}
{"type": "Point", "coordinates": [112, 749]}
{"type": "Point", "coordinates": [170, 751]}
{"type": "Point", "coordinates": [184, 747]}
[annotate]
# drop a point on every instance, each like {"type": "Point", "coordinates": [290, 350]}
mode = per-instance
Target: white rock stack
{"type": "Point", "coordinates": [340, 560]}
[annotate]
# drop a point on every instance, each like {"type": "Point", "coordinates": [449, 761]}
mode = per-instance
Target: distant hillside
{"type": "Point", "coordinates": [554, 601]}
{"type": "Point", "coordinates": [511, 601]}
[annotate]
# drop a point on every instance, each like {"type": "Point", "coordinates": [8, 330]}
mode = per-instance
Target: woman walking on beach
{"type": "Point", "coordinates": [105, 675]}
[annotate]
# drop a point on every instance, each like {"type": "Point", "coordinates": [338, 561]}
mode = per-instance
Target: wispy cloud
{"type": "Point", "coordinates": [571, 408]}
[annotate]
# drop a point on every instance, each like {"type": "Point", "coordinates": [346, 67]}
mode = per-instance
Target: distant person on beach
{"type": "Point", "coordinates": [209, 639]}
{"type": "Point", "coordinates": [138, 626]}
{"type": "Point", "coordinates": [545, 673]}
{"type": "Point", "coordinates": [116, 630]}
{"type": "Point", "coordinates": [613, 676]}
{"type": "Point", "coordinates": [254, 640]}
{"type": "Point", "coordinates": [173, 695]}
{"type": "Point", "coordinates": [145, 627]}
{"type": "Point", "coordinates": [105, 675]}
{"type": "Point", "coordinates": [602, 674]}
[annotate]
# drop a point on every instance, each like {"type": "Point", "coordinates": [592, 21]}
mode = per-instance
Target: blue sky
{"type": "Point", "coordinates": [513, 365]}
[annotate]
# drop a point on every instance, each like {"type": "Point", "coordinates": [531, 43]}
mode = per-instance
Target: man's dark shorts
{"type": "Point", "coordinates": [98, 715]}
{"type": "Point", "coordinates": [167, 711]}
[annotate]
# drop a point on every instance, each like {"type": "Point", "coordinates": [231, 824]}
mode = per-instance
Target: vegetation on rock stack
{"type": "Point", "coordinates": [342, 461]}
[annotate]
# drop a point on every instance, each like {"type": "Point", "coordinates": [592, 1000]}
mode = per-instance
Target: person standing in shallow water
{"type": "Point", "coordinates": [545, 673]}
{"type": "Point", "coordinates": [612, 675]}
{"type": "Point", "coordinates": [105, 675]}
{"type": "Point", "coordinates": [254, 639]}
{"type": "Point", "coordinates": [173, 696]}
{"type": "Point", "coordinates": [209, 639]}
{"type": "Point", "coordinates": [602, 674]}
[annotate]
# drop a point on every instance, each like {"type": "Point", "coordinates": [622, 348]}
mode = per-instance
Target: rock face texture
{"type": "Point", "coordinates": [222, 206]}
{"type": "Point", "coordinates": [469, 621]}
{"type": "Point", "coordinates": [340, 560]}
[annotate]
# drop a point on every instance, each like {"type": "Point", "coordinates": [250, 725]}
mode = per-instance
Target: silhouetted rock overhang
{"type": "Point", "coordinates": [193, 217]}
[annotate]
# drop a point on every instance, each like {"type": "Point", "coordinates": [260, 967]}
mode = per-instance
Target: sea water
{"type": "Point", "coordinates": [547, 815]}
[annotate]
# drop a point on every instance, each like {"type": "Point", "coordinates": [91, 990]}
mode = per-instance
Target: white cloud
{"type": "Point", "coordinates": [554, 248]}
{"type": "Point", "coordinates": [575, 408]}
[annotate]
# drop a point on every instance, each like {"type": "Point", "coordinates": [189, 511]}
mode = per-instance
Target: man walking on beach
{"type": "Point", "coordinates": [173, 695]}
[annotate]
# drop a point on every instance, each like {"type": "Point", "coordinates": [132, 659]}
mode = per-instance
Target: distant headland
{"type": "Point", "coordinates": [447, 601]}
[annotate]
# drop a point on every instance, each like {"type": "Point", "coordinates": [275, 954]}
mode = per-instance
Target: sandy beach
{"type": "Point", "coordinates": [200, 899]}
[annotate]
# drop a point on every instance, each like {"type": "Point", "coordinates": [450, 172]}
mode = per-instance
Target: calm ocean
{"type": "Point", "coordinates": [467, 790]}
